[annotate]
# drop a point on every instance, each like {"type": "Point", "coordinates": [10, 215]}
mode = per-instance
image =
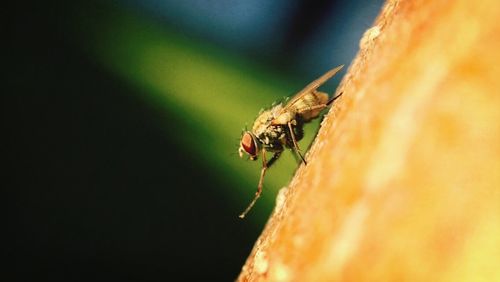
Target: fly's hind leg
{"type": "Point", "coordinates": [265, 166]}
{"type": "Point", "coordinates": [295, 145]}
{"type": "Point", "coordinates": [334, 98]}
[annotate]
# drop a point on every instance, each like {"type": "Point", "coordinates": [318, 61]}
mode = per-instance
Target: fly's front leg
{"type": "Point", "coordinates": [262, 173]}
{"type": "Point", "coordinates": [265, 166]}
{"type": "Point", "coordinates": [295, 145]}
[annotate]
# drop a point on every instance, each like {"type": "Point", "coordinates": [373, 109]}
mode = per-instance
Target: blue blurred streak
{"type": "Point", "coordinates": [303, 38]}
{"type": "Point", "coordinates": [336, 40]}
{"type": "Point", "coordinates": [236, 24]}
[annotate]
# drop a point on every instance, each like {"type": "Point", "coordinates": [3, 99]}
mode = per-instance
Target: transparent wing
{"type": "Point", "coordinates": [312, 86]}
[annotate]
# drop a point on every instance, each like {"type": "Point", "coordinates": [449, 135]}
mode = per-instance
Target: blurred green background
{"type": "Point", "coordinates": [122, 121]}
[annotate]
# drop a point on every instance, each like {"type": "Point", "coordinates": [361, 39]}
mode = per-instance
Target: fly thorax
{"type": "Point", "coordinates": [284, 118]}
{"type": "Point", "coordinates": [272, 134]}
{"type": "Point", "coordinates": [261, 122]}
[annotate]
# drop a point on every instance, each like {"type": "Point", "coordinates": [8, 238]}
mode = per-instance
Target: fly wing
{"type": "Point", "coordinates": [305, 99]}
{"type": "Point", "coordinates": [309, 89]}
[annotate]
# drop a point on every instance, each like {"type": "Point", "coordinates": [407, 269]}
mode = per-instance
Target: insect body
{"type": "Point", "coordinates": [282, 126]}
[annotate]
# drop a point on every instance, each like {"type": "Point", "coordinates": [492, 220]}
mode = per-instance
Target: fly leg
{"type": "Point", "coordinates": [265, 166]}
{"type": "Point", "coordinates": [295, 145]}
{"type": "Point", "coordinates": [334, 98]}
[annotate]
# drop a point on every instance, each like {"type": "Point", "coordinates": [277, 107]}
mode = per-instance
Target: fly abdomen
{"type": "Point", "coordinates": [298, 129]}
{"type": "Point", "coordinates": [299, 132]}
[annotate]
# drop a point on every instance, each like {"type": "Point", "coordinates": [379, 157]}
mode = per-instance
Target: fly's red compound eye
{"type": "Point", "coordinates": [248, 144]}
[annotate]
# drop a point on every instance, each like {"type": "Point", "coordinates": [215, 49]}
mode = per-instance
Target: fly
{"type": "Point", "coordinates": [282, 126]}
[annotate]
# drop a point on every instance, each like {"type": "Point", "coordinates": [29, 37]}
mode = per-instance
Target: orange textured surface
{"type": "Point", "coordinates": [403, 181]}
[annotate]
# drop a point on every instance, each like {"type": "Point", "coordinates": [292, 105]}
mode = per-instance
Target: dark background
{"type": "Point", "coordinates": [100, 181]}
